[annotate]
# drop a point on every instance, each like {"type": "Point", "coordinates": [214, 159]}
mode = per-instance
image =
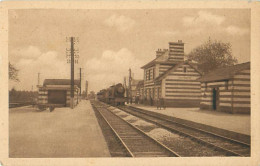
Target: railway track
{"type": "Point", "coordinates": [230, 146]}
{"type": "Point", "coordinates": [136, 142]}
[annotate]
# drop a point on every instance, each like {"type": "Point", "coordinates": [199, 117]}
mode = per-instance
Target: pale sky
{"type": "Point", "coordinates": [112, 41]}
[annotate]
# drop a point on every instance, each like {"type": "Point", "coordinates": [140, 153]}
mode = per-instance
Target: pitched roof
{"type": "Point", "coordinates": [160, 59]}
{"type": "Point", "coordinates": [60, 82]}
{"type": "Point", "coordinates": [160, 77]}
{"type": "Point", "coordinates": [224, 73]}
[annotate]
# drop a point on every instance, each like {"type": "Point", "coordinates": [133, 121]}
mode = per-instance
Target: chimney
{"type": "Point", "coordinates": [176, 51]}
{"type": "Point", "coordinates": [159, 52]}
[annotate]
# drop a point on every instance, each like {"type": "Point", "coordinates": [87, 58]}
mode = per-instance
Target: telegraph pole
{"type": "Point", "coordinates": [39, 79]}
{"type": "Point", "coordinates": [72, 74]}
{"type": "Point", "coordinates": [130, 87]}
{"type": "Point", "coordinates": [80, 81]}
{"type": "Point", "coordinates": [71, 59]}
{"type": "Point", "coordinates": [126, 90]}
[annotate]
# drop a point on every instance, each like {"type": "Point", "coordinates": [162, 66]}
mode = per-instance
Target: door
{"type": "Point", "coordinates": [57, 97]}
{"type": "Point", "coordinates": [215, 98]}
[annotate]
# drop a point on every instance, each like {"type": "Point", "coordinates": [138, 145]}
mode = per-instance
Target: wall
{"type": "Point", "coordinates": [68, 98]}
{"type": "Point", "coordinates": [181, 88]}
{"type": "Point", "coordinates": [43, 97]}
{"type": "Point", "coordinates": [241, 92]}
{"type": "Point", "coordinates": [234, 95]}
{"type": "Point", "coordinates": [164, 67]}
{"type": "Point", "coordinates": [225, 95]}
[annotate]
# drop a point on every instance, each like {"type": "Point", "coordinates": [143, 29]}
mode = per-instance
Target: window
{"type": "Point", "coordinates": [184, 69]}
{"type": "Point", "coordinates": [226, 85]}
{"type": "Point", "coordinates": [147, 75]}
{"type": "Point", "coordinates": [153, 73]}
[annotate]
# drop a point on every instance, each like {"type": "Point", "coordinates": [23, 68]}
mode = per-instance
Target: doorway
{"type": "Point", "coordinates": [57, 97]}
{"type": "Point", "coordinates": [215, 98]}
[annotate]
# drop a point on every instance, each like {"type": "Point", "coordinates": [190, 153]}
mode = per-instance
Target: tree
{"type": "Point", "coordinates": [13, 73]}
{"type": "Point", "coordinates": [213, 55]}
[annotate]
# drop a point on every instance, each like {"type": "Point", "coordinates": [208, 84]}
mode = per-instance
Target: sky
{"type": "Point", "coordinates": [112, 41]}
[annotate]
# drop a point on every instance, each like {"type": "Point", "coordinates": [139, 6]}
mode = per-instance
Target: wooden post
{"type": "Point", "coordinates": [72, 74]}
{"type": "Point", "coordinates": [130, 87]}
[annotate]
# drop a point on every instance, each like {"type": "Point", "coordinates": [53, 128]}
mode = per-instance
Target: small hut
{"type": "Point", "coordinates": [227, 89]}
{"type": "Point", "coordinates": [57, 91]}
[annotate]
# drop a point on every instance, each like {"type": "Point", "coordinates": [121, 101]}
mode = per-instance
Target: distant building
{"type": "Point", "coordinates": [171, 78]}
{"type": "Point", "coordinates": [140, 91]}
{"type": "Point", "coordinates": [227, 89]}
{"type": "Point", "coordinates": [57, 91]}
{"type": "Point", "coordinates": [134, 89]}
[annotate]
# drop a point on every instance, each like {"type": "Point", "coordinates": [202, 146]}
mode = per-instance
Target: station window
{"type": "Point", "coordinates": [153, 73]}
{"type": "Point", "coordinates": [147, 74]}
{"type": "Point", "coordinates": [226, 85]}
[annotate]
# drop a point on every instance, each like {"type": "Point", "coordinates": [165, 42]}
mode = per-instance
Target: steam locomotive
{"type": "Point", "coordinates": [113, 95]}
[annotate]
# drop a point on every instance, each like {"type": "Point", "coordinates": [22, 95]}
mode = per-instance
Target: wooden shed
{"type": "Point", "coordinates": [57, 91]}
{"type": "Point", "coordinates": [227, 89]}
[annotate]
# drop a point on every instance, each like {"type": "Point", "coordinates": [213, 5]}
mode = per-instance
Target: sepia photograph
{"type": "Point", "coordinates": [130, 83]}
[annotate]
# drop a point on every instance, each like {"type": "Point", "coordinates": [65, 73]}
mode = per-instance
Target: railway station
{"type": "Point", "coordinates": [176, 107]}
{"type": "Point", "coordinates": [169, 77]}
{"type": "Point", "coordinates": [191, 99]}
{"type": "Point", "coordinates": [174, 112]}
{"type": "Point", "coordinates": [131, 84]}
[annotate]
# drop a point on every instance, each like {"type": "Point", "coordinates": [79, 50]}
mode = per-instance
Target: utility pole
{"type": "Point", "coordinates": [126, 90]}
{"type": "Point", "coordinates": [130, 87]}
{"type": "Point", "coordinates": [39, 79]}
{"type": "Point", "coordinates": [80, 81]}
{"type": "Point", "coordinates": [72, 61]}
{"type": "Point", "coordinates": [86, 89]}
{"type": "Point", "coordinates": [72, 74]}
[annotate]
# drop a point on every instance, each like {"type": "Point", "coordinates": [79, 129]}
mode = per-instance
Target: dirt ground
{"type": "Point", "coordinates": [239, 123]}
{"type": "Point", "coordinates": [61, 133]}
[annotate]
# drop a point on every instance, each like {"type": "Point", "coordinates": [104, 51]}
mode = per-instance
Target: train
{"type": "Point", "coordinates": [114, 95]}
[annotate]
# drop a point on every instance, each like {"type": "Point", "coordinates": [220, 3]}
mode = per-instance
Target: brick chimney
{"type": "Point", "coordinates": [159, 52]}
{"type": "Point", "coordinates": [176, 51]}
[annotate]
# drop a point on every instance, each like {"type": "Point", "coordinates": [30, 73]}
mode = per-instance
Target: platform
{"type": "Point", "coordinates": [237, 124]}
{"type": "Point", "coordinates": [61, 133]}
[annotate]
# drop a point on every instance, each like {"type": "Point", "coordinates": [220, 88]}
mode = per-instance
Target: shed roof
{"type": "Point", "coordinates": [224, 73]}
{"type": "Point", "coordinates": [60, 82]}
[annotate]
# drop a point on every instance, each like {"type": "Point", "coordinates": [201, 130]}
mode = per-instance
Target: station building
{"type": "Point", "coordinates": [227, 89]}
{"type": "Point", "coordinates": [57, 91]}
{"type": "Point", "coordinates": [169, 77]}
